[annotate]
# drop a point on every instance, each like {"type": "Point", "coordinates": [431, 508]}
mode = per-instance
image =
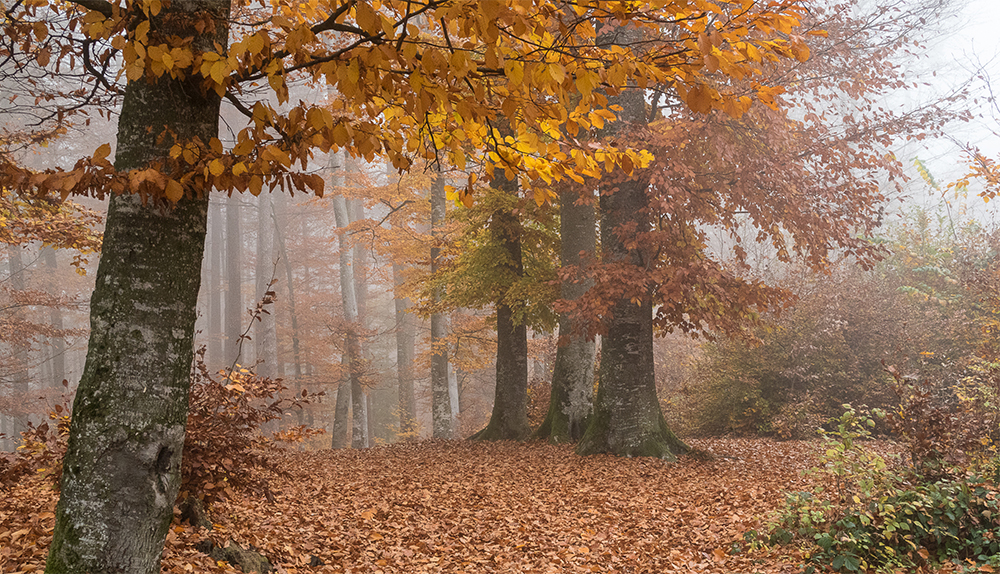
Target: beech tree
{"type": "Point", "coordinates": [805, 170]}
{"type": "Point", "coordinates": [571, 398]}
{"type": "Point", "coordinates": [413, 80]}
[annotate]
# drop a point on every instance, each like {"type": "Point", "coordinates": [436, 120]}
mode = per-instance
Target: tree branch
{"type": "Point", "coordinates": [96, 5]}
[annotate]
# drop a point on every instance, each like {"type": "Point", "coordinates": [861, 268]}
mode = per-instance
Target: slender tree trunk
{"type": "Point", "coordinates": [265, 331]}
{"type": "Point", "coordinates": [280, 204]}
{"type": "Point", "coordinates": [234, 281]}
{"type": "Point", "coordinates": [406, 335]}
{"type": "Point", "coordinates": [216, 356]}
{"type": "Point", "coordinates": [573, 375]}
{"type": "Point", "coordinates": [352, 349]}
{"type": "Point", "coordinates": [121, 471]}
{"type": "Point", "coordinates": [360, 399]}
{"type": "Point", "coordinates": [442, 425]}
{"type": "Point", "coordinates": [16, 422]}
{"type": "Point", "coordinates": [405, 351]}
{"type": "Point", "coordinates": [57, 344]}
{"type": "Point", "coordinates": [627, 419]}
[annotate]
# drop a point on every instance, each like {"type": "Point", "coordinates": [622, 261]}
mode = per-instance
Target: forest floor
{"type": "Point", "coordinates": [481, 508]}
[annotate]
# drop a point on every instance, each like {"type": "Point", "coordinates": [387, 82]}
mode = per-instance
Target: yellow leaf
{"type": "Point", "coordinates": [102, 152]}
{"type": "Point", "coordinates": [557, 72]}
{"type": "Point", "coordinates": [255, 44]}
{"type": "Point", "coordinates": [173, 191]}
{"type": "Point", "coordinates": [216, 167]}
{"type": "Point", "coordinates": [514, 71]}
{"type": "Point", "coordinates": [256, 183]}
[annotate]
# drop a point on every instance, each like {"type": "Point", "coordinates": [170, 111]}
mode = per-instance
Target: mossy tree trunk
{"type": "Point", "coordinates": [121, 472]}
{"type": "Point", "coordinates": [572, 394]}
{"type": "Point", "coordinates": [509, 419]}
{"type": "Point", "coordinates": [627, 419]}
{"type": "Point", "coordinates": [442, 425]}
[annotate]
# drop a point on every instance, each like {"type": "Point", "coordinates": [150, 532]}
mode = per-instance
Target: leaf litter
{"type": "Point", "coordinates": [449, 506]}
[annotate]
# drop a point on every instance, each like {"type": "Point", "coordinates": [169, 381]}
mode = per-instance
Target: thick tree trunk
{"type": "Point", "coordinates": [509, 419]}
{"type": "Point", "coordinates": [627, 419]}
{"type": "Point", "coordinates": [572, 394]}
{"type": "Point", "coordinates": [121, 471]}
{"type": "Point", "coordinates": [441, 422]}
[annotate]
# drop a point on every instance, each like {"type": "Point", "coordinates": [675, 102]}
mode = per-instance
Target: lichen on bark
{"type": "Point", "coordinates": [122, 466]}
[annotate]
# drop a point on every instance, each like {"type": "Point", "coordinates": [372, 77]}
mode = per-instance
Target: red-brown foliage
{"type": "Point", "coordinates": [224, 448]}
{"type": "Point", "coordinates": [481, 507]}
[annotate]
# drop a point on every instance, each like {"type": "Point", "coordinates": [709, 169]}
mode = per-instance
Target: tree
{"type": "Point", "coordinates": [441, 420]}
{"type": "Point", "coordinates": [509, 418]}
{"type": "Point", "coordinates": [815, 193]}
{"type": "Point", "coordinates": [409, 86]}
{"type": "Point", "coordinates": [571, 398]}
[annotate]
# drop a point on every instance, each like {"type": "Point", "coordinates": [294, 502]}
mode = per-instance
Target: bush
{"type": "Point", "coordinates": [224, 448]}
{"type": "Point", "coordinates": [880, 518]}
{"type": "Point", "coordinates": [41, 451]}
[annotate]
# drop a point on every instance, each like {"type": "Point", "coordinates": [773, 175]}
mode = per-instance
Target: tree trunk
{"type": "Point", "coordinates": [442, 425]}
{"type": "Point", "coordinates": [281, 204]}
{"type": "Point", "coordinates": [57, 344]}
{"type": "Point", "coordinates": [360, 399]}
{"type": "Point", "coordinates": [121, 471]}
{"type": "Point", "coordinates": [573, 375]}
{"type": "Point", "coordinates": [509, 419]}
{"type": "Point", "coordinates": [405, 351]}
{"type": "Point", "coordinates": [627, 419]}
{"type": "Point", "coordinates": [214, 287]}
{"type": "Point", "coordinates": [234, 281]}
{"type": "Point", "coordinates": [20, 375]}
{"type": "Point", "coordinates": [352, 350]}
{"type": "Point", "coordinates": [342, 409]}
{"type": "Point", "coordinates": [265, 332]}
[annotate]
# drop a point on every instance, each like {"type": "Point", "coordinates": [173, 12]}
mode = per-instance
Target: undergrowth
{"type": "Point", "coordinates": [871, 514]}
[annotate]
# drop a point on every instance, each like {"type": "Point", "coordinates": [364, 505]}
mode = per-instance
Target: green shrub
{"type": "Point", "coordinates": [879, 517]}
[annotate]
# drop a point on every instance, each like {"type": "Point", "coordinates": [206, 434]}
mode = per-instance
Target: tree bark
{"type": "Point", "coordinates": [352, 350]}
{"type": "Point", "coordinates": [509, 419]}
{"type": "Point", "coordinates": [281, 204]}
{"type": "Point", "coordinates": [572, 394]}
{"type": "Point", "coordinates": [360, 399]}
{"type": "Point", "coordinates": [214, 287]}
{"type": "Point", "coordinates": [57, 344]}
{"type": "Point", "coordinates": [265, 331]}
{"type": "Point", "coordinates": [441, 422]}
{"type": "Point", "coordinates": [121, 471]}
{"type": "Point", "coordinates": [405, 351]}
{"type": "Point", "coordinates": [627, 419]}
{"type": "Point", "coordinates": [234, 281]}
